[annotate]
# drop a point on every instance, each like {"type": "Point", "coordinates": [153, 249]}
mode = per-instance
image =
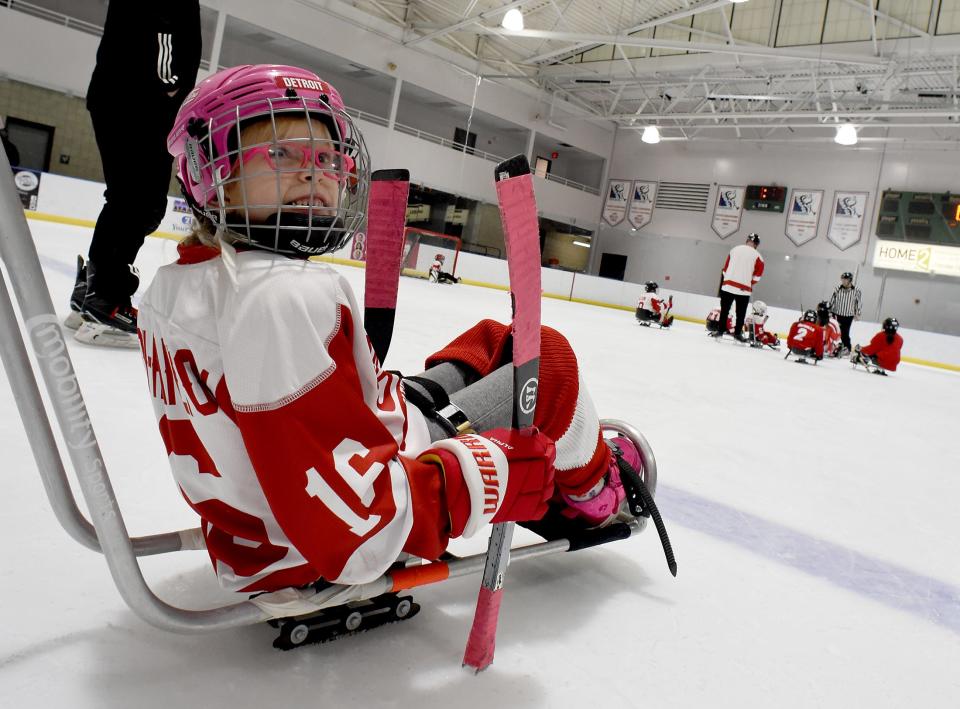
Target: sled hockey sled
{"type": "Point", "coordinates": [802, 356]}
{"type": "Point", "coordinates": [294, 610]}
{"type": "Point", "coordinates": [868, 365]}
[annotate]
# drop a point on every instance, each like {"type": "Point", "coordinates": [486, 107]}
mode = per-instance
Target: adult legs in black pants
{"type": "Point", "coordinates": [845, 322]}
{"type": "Point", "coordinates": [136, 169]}
{"type": "Point", "coordinates": [742, 302]}
{"type": "Point", "coordinates": [727, 299]}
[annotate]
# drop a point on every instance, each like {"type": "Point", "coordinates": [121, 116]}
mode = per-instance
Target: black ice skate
{"type": "Point", "coordinates": [109, 321]}
{"type": "Point", "coordinates": [74, 320]}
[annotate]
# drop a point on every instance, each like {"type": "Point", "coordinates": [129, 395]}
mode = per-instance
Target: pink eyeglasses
{"type": "Point", "coordinates": [299, 156]}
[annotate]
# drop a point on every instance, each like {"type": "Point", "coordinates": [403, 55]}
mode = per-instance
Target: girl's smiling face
{"type": "Point", "coordinates": [296, 168]}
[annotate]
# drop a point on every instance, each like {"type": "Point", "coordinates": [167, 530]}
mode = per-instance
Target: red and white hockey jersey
{"type": "Point", "coordinates": [806, 336]}
{"type": "Point", "coordinates": [756, 324]}
{"type": "Point", "coordinates": [653, 302]}
{"type": "Point", "coordinates": [742, 270]}
{"type": "Point", "coordinates": [831, 337]}
{"type": "Point", "coordinates": [283, 433]}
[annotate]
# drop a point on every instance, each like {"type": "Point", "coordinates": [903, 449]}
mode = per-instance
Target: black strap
{"type": "Point", "coordinates": [428, 405]}
{"type": "Point", "coordinates": [641, 503]}
{"type": "Point", "coordinates": [437, 393]}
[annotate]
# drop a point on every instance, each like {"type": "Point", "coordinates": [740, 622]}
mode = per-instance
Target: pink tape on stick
{"type": "Point", "coordinates": [518, 213]}
{"type": "Point", "coordinates": [483, 634]}
{"type": "Point", "coordinates": [388, 206]}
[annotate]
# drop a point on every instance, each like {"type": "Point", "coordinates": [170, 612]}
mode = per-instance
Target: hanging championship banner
{"type": "Point", "coordinates": [641, 204]}
{"type": "Point", "coordinates": [846, 218]}
{"type": "Point", "coordinates": [803, 219]}
{"type": "Point", "coordinates": [615, 206]}
{"type": "Point", "coordinates": [727, 210]}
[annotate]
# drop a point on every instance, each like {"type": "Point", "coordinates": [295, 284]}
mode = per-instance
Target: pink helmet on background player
{"type": "Point", "coordinates": [206, 143]}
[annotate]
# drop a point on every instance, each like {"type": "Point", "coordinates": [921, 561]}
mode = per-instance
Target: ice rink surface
{"type": "Point", "coordinates": [813, 511]}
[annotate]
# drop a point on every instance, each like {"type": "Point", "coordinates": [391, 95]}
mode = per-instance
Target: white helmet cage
{"type": "Point", "coordinates": [305, 229]}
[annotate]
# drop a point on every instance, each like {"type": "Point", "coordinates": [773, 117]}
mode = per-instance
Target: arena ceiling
{"type": "Point", "coordinates": [759, 70]}
{"type": "Point", "coordinates": [714, 69]}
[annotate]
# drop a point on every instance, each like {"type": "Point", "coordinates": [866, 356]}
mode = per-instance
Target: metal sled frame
{"type": "Point", "coordinates": [108, 533]}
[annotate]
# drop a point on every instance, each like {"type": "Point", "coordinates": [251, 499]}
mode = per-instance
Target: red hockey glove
{"type": "Point", "coordinates": [499, 476]}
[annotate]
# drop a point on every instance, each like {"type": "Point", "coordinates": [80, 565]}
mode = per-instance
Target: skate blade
{"type": "Point", "coordinates": [73, 321]}
{"type": "Point", "coordinates": [105, 336]}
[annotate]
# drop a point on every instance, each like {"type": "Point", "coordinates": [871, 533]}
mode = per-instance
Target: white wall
{"type": "Point", "coordinates": [683, 245]}
{"type": "Point", "coordinates": [44, 54]}
{"type": "Point", "coordinates": [417, 109]}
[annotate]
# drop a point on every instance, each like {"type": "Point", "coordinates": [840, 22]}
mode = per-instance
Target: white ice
{"type": "Point", "coordinates": [813, 511]}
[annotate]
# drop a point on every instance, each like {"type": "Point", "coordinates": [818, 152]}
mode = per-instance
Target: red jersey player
{"type": "Point", "coordinates": [299, 453]}
{"type": "Point", "coordinates": [806, 338]}
{"type": "Point", "coordinates": [654, 309]}
{"type": "Point", "coordinates": [831, 330]}
{"type": "Point", "coordinates": [883, 352]}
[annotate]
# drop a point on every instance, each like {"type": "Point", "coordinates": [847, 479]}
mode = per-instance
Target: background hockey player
{"type": "Point", "coordinates": [713, 320]}
{"type": "Point", "coordinates": [832, 340]}
{"type": "Point", "coordinates": [883, 352]}
{"type": "Point", "coordinates": [756, 326]}
{"type": "Point", "coordinates": [741, 272]}
{"type": "Point", "coordinates": [301, 455]}
{"type": "Point", "coordinates": [806, 337]}
{"type": "Point", "coordinates": [437, 274]}
{"type": "Point", "coordinates": [148, 60]}
{"type": "Point", "coordinates": [652, 308]}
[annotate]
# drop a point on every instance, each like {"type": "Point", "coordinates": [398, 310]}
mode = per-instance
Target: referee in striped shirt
{"type": "Point", "coordinates": [845, 306]}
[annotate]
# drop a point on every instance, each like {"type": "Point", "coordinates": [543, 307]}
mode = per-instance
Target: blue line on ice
{"type": "Point", "coordinates": [894, 586]}
{"type": "Point", "coordinates": [58, 266]}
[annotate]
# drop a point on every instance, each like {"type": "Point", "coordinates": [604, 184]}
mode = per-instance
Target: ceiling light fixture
{"type": "Point", "coordinates": [846, 134]}
{"type": "Point", "coordinates": [651, 135]}
{"type": "Point", "coordinates": [581, 243]}
{"type": "Point", "coordinates": [513, 20]}
{"type": "Point", "coordinates": [746, 97]}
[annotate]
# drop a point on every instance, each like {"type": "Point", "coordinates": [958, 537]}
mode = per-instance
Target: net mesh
{"type": "Point", "coordinates": [420, 250]}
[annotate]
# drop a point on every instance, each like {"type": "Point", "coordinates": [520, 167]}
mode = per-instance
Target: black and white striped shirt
{"type": "Point", "coordinates": [845, 301]}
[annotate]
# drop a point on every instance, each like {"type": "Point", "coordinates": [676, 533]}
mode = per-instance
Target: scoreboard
{"type": "Point", "coordinates": [920, 217]}
{"type": "Point", "coordinates": [765, 198]}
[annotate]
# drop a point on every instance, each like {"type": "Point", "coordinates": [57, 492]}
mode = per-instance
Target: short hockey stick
{"type": "Point", "coordinates": [388, 208]}
{"type": "Point", "coordinates": [521, 231]}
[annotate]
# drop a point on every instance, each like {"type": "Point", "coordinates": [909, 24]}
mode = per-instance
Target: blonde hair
{"type": "Point", "coordinates": [260, 131]}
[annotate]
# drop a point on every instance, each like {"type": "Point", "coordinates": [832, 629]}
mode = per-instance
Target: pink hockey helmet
{"type": "Point", "coordinates": [206, 143]}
